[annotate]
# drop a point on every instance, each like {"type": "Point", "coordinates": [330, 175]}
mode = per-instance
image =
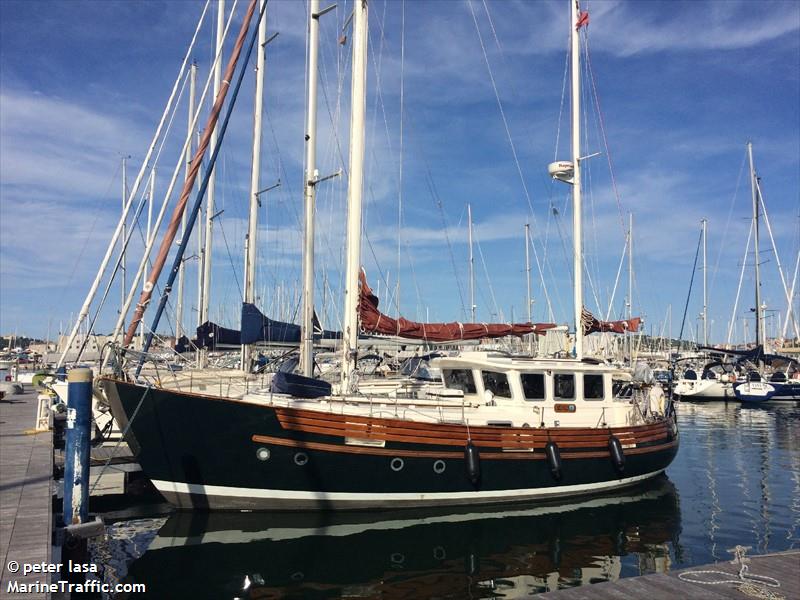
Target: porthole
{"type": "Point", "coordinates": [439, 553]}
{"type": "Point", "coordinates": [300, 458]}
{"type": "Point", "coordinates": [439, 467]}
{"type": "Point", "coordinates": [397, 558]}
{"type": "Point", "coordinates": [397, 464]}
{"type": "Point", "coordinates": [262, 454]}
{"type": "Point", "coordinates": [297, 576]}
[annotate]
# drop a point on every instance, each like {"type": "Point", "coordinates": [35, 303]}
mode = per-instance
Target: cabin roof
{"type": "Point", "coordinates": [499, 361]}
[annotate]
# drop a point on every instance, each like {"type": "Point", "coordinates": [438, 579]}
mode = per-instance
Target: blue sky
{"type": "Point", "coordinates": [682, 87]}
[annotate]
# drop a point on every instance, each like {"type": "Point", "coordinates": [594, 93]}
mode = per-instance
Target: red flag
{"type": "Point", "coordinates": [583, 19]}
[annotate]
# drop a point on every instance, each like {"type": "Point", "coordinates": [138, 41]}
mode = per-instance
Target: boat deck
{"type": "Point", "coordinates": [26, 489]}
{"type": "Point", "coordinates": [782, 566]}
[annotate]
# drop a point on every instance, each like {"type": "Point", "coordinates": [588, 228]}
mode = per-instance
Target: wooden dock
{"type": "Point", "coordinates": [26, 489]}
{"type": "Point", "coordinates": [781, 566]}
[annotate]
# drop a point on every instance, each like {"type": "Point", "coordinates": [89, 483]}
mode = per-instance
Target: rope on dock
{"type": "Point", "coordinates": [750, 584]}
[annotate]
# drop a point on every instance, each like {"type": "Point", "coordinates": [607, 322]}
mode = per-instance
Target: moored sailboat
{"type": "Point", "coordinates": [761, 385]}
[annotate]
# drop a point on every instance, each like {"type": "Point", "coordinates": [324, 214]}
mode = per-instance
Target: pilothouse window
{"type": "Point", "coordinates": [564, 386]}
{"type": "Point", "coordinates": [593, 387]}
{"type": "Point", "coordinates": [533, 386]}
{"type": "Point", "coordinates": [459, 379]}
{"type": "Point", "coordinates": [497, 383]}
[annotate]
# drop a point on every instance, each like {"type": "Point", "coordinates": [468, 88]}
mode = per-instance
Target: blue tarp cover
{"type": "Point", "coordinates": [256, 327]}
{"type": "Point", "coordinates": [300, 386]}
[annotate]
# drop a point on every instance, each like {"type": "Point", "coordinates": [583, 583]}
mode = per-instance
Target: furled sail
{"type": "Point", "coordinates": [592, 324]}
{"type": "Point", "coordinates": [373, 321]}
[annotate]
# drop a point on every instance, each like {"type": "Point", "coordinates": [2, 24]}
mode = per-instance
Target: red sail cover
{"type": "Point", "coordinates": [373, 321]}
{"type": "Point", "coordinates": [591, 324]}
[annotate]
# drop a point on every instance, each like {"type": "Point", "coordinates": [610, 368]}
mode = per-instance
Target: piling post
{"type": "Point", "coordinates": [76, 462]}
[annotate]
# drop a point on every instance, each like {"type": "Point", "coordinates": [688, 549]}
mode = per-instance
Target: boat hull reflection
{"type": "Point", "coordinates": [410, 554]}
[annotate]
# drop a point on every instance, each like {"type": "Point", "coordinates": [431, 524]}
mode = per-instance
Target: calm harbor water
{"type": "Point", "coordinates": [736, 480]}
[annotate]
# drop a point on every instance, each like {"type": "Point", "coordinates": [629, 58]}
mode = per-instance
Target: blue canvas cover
{"type": "Point", "coordinates": [212, 336]}
{"type": "Point", "coordinates": [299, 386]}
{"type": "Point", "coordinates": [256, 327]}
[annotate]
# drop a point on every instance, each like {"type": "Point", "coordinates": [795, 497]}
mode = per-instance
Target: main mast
{"type": "Point", "coordinates": [529, 300]}
{"type": "Point", "coordinates": [123, 239]}
{"type": "Point", "coordinates": [629, 316]}
{"type": "Point", "coordinates": [309, 196]}
{"type": "Point", "coordinates": [358, 109]}
{"type": "Point", "coordinates": [255, 172]}
{"type": "Point", "coordinates": [209, 225]}
{"type": "Point", "coordinates": [704, 223]}
{"type": "Point", "coordinates": [472, 306]}
{"type": "Point", "coordinates": [577, 232]}
{"type": "Point", "coordinates": [189, 135]}
{"type": "Point", "coordinates": [759, 333]}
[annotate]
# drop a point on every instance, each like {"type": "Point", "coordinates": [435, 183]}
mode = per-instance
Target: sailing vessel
{"type": "Point", "coordinates": [715, 382]}
{"type": "Point", "coordinates": [499, 429]}
{"type": "Point", "coordinates": [761, 385]}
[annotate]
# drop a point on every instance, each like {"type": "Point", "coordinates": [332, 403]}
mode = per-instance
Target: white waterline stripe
{"type": "Point", "coordinates": [225, 491]}
{"type": "Point", "coordinates": [237, 536]}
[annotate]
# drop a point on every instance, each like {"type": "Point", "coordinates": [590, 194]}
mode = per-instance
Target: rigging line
{"type": "Point", "coordinates": [333, 116]}
{"type": "Point", "coordinates": [342, 162]}
{"type": "Point", "coordinates": [617, 197]}
{"type": "Point", "coordinates": [377, 66]}
{"type": "Point", "coordinates": [775, 251]}
{"type": "Point", "coordinates": [438, 202]}
{"type": "Point", "coordinates": [494, 31]}
{"type": "Point", "coordinates": [230, 258]}
{"type": "Point", "coordinates": [790, 312]}
{"type": "Point", "coordinates": [616, 280]}
{"type": "Point", "coordinates": [135, 222]}
{"type": "Point", "coordinates": [545, 293]}
{"type": "Point", "coordinates": [282, 169]}
{"type": "Point", "coordinates": [590, 187]}
{"type": "Point", "coordinates": [732, 322]}
{"type": "Point", "coordinates": [109, 283]}
{"type": "Point", "coordinates": [400, 168]}
{"type": "Point", "coordinates": [691, 282]}
{"type": "Point", "coordinates": [333, 149]}
{"type": "Point", "coordinates": [567, 259]}
{"type": "Point", "coordinates": [377, 99]}
{"type": "Point", "coordinates": [728, 222]}
{"type": "Point", "coordinates": [488, 280]}
{"type": "Point", "coordinates": [592, 286]}
{"type": "Point", "coordinates": [381, 227]}
{"type": "Point", "coordinates": [546, 245]}
{"type": "Point", "coordinates": [503, 116]}
{"type": "Point", "coordinates": [546, 262]}
{"type": "Point", "coordinates": [89, 236]}
{"type": "Point", "coordinates": [416, 283]}
{"type": "Point", "coordinates": [549, 262]}
{"type": "Point", "coordinates": [563, 99]}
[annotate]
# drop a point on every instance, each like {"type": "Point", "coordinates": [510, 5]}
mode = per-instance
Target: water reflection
{"type": "Point", "coordinates": [738, 472]}
{"type": "Point", "coordinates": [507, 552]}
